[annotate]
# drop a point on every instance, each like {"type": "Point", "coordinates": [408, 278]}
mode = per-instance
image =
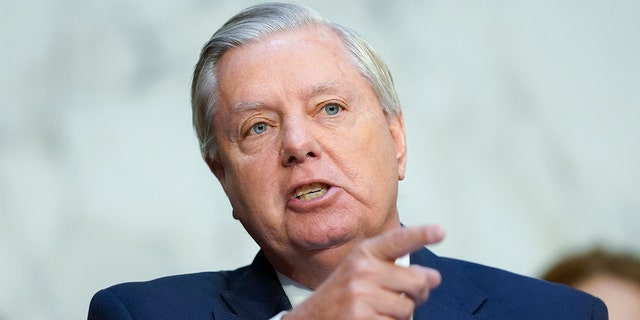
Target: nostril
{"type": "Point", "coordinates": [294, 159]}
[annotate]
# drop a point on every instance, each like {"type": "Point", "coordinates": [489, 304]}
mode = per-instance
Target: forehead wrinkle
{"type": "Point", "coordinates": [318, 89]}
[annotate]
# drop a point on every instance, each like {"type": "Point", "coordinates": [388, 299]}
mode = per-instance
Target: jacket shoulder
{"type": "Point", "coordinates": [187, 296]}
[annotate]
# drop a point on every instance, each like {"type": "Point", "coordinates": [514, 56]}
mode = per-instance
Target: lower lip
{"type": "Point", "coordinates": [298, 205]}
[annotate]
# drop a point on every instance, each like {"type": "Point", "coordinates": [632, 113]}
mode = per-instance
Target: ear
{"type": "Point", "coordinates": [396, 127]}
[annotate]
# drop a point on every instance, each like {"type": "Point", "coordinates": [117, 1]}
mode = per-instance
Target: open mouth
{"type": "Point", "coordinates": [311, 191]}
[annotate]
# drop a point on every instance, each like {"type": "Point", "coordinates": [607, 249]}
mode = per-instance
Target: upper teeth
{"type": "Point", "coordinates": [311, 191]}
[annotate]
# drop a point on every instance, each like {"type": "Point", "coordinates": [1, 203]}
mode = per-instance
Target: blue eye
{"type": "Point", "coordinates": [332, 108]}
{"type": "Point", "coordinates": [259, 127]}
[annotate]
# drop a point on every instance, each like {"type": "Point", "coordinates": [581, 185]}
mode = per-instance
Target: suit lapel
{"type": "Point", "coordinates": [256, 294]}
{"type": "Point", "coordinates": [455, 298]}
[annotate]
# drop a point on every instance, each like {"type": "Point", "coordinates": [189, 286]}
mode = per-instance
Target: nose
{"type": "Point", "coordinates": [299, 143]}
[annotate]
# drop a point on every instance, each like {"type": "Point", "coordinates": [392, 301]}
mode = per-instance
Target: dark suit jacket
{"type": "Point", "coordinates": [468, 291]}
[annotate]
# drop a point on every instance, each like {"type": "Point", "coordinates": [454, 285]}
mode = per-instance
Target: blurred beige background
{"type": "Point", "coordinates": [522, 119]}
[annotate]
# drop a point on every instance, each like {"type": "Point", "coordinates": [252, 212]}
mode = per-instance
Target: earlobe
{"type": "Point", "coordinates": [396, 127]}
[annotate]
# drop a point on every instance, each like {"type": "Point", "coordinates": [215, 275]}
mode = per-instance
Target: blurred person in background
{"type": "Point", "coordinates": [611, 276]}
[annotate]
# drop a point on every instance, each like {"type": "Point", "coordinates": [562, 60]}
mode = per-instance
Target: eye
{"type": "Point", "coordinates": [332, 109]}
{"type": "Point", "coordinates": [259, 127]}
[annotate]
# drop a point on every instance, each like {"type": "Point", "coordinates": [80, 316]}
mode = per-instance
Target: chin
{"type": "Point", "coordinates": [319, 238]}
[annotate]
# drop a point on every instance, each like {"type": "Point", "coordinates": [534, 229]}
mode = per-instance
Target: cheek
{"type": "Point", "coordinates": [254, 180]}
{"type": "Point", "coordinates": [375, 146]}
{"type": "Point", "coordinates": [368, 157]}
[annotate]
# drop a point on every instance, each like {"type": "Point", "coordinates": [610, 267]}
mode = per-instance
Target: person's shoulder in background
{"type": "Point", "coordinates": [611, 276]}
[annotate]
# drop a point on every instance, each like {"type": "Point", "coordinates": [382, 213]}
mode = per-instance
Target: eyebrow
{"type": "Point", "coordinates": [324, 87]}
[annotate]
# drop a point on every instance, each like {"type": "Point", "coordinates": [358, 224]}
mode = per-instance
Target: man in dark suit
{"type": "Point", "coordinates": [298, 119]}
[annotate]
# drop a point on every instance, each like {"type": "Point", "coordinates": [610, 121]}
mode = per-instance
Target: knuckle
{"type": "Point", "coordinates": [363, 268]}
{"type": "Point", "coordinates": [354, 290]}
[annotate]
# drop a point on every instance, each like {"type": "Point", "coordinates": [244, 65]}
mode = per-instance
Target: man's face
{"type": "Point", "coordinates": [306, 155]}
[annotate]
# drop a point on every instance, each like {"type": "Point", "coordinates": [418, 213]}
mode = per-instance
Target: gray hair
{"type": "Point", "coordinates": [257, 22]}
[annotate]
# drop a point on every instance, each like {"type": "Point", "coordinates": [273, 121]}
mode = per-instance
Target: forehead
{"type": "Point", "coordinates": [302, 37]}
{"type": "Point", "coordinates": [311, 54]}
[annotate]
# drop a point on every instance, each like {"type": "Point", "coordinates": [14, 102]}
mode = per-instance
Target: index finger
{"type": "Point", "coordinates": [400, 242]}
